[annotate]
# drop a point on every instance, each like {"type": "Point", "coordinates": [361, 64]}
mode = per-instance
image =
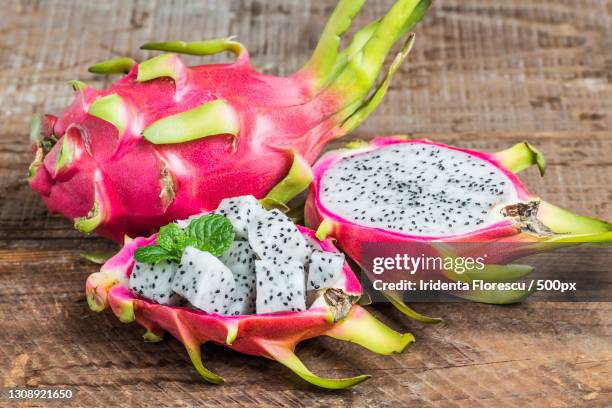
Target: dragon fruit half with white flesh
{"type": "Point", "coordinates": [417, 192]}
{"type": "Point", "coordinates": [168, 141]}
{"type": "Point", "coordinates": [252, 302]}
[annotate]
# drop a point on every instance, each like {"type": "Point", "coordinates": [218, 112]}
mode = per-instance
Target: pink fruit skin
{"type": "Point", "coordinates": [269, 121]}
{"type": "Point", "coordinates": [275, 115]}
{"type": "Point", "coordinates": [351, 236]}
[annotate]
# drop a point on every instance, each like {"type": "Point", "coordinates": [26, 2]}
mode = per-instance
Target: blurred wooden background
{"type": "Point", "coordinates": [483, 74]}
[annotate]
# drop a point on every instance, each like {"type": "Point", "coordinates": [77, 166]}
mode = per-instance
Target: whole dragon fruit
{"type": "Point", "coordinates": [168, 141]}
{"type": "Point", "coordinates": [255, 297]}
{"type": "Point", "coordinates": [397, 190]}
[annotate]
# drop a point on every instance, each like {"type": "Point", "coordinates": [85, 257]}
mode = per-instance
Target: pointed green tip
{"type": "Point", "coordinates": [562, 221]}
{"type": "Point", "coordinates": [36, 163]}
{"type": "Point", "coordinates": [370, 104]}
{"type": "Point", "coordinates": [270, 204]}
{"type": "Point", "coordinates": [166, 65]}
{"type": "Point", "coordinates": [539, 158]}
{"type": "Point", "coordinates": [91, 221]}
{"type": "Point", "coordinates": [325, 229]}
{"type": "Point", "coordinates": [35, 129]}
{"type": "Point", "coordinates": [356, 144]}
{"type": "Point", "coordinates": [199, 48]}
{"type": "Point", "coordinates": [196, 360]}
{"type": "Point", "coordinates": [497, 273]}
{"type": "Point", "coordinates": [125, 311]}
{"type": "Point", "coordinates": [332, 383]}
{"type": "Point", "coordinates": [521, 156]}
{"type": "Point", "coordinates": [121, 65]}
{"type": "Point", "coordinates": [399, 304]}
{"type": "Point", "coordinates": [212, 118]}
{"type": "Point", "coordinates": [596, 238]}
{"type": "Point", "coordinates": [232, 332]}
{"type": "Point", "coordinates": [289, 359]}
{"type": "Point", "coordinates": [77, 85]}
{"type": "Point", "coordinates": [98, 257]}
{"type": "Point", "coordinates": [66, 155]}
{"type": "Point", "coordinates": [296, 181]}
{"type": "Point", "coordinates": [112, 109]}
{"type": "Point", "coordinates": [151, 337]}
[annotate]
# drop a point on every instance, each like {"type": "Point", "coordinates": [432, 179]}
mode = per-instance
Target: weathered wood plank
{"type": "Point", "coordinates": [484, 74]}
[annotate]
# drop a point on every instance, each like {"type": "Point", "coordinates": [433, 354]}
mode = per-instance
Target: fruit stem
{"type": "Point", "coordinates": [561, 221]}
{"type": "Point", "coordinates": [362, 328]}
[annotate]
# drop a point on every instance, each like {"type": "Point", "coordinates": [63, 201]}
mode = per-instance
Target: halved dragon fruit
{"type": "Point", "coordinates": [282, 319]}
{"type": "Point", "coordinates": [168, 141]}
{"type": "Point", "coordinates": [416, 191]}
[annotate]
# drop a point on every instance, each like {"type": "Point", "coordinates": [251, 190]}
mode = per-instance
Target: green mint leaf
{"type": "Point", "coordinates": [172, 239]}
{"type": "Point", "coordinates": [153, 254]}
{"type": "Point", "coordinates": [212, 233]}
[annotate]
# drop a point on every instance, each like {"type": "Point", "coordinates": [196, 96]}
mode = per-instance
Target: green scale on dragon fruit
{"type": "Point", "coordinates": [155, 282]}
{"type": "Point", "coordinates": [204, 281]}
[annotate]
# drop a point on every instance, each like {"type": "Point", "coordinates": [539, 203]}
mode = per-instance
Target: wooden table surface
{"type": "Point", "coordinates": [483, 74]}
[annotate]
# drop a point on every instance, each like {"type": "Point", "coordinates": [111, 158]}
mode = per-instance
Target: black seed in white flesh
{"type": "Point", "coordinates": [204, 281]}
{"type": "Point", "coordinates": [325, 270]}
{"type": "Point", "coordinates": [240, 259]}
{"type": "Point", "coordinates": [240, 211]}
{"type": "Point", "coordinates": [417, 188]}
{"type": "Point", "coordinates": [154, 282]}
{"type": "Point", "coordinates": [273, 236]}
{"type": "Point", "coordinates": [280, 287]}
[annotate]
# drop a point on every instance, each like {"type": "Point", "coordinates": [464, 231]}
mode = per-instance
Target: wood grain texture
{"type": "Point", "coordinates": [484, 74]}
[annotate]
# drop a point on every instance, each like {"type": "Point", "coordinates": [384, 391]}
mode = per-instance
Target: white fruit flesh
{"type": "Point", "coordinates": [418, 189]}
{"type": "Point", "coordinates": [325, 270]}
{"type": "Point", "coordinates": [240, 259]}
{"type": "Point", "coordinates": [280, 287]}
{"type": "Point", "coordinates": [205, 281]}
{"type": "Point", "coordinates": [154, 282]}
{"type": "Point", "coordinates": [240, 211]}
{"type": "Point", "coordinates": [273, 236]}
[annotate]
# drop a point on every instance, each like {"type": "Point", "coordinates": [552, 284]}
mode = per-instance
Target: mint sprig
{"type": "Point", "coordinates": [212, 233]}
{"type": "Point", "coordinates": [152, 254]}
